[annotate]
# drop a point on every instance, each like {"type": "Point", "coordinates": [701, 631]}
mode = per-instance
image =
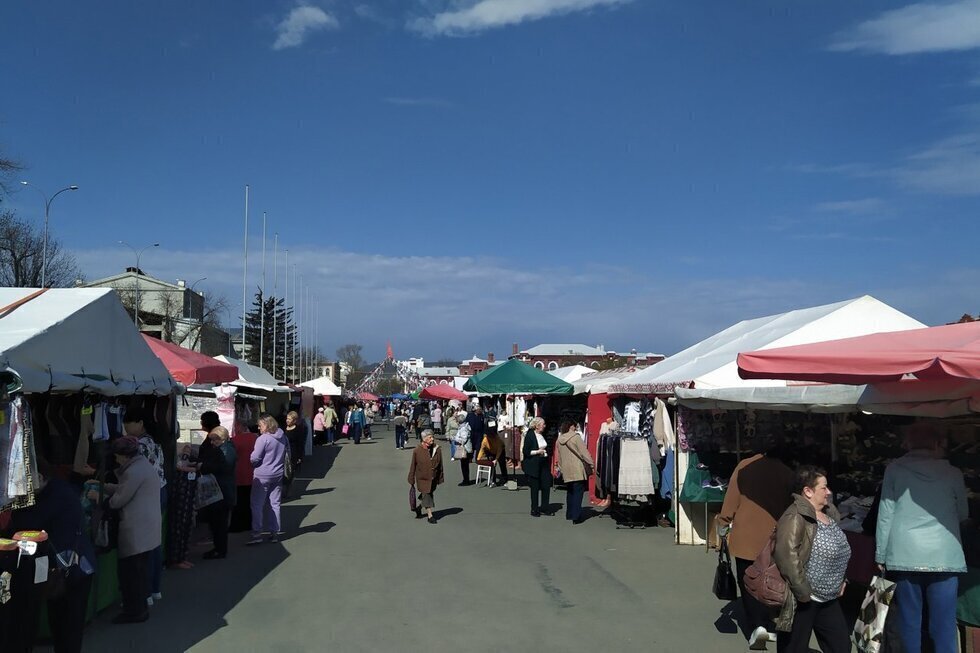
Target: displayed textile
{"type": "Point", "coordinates": [667, 482]}
{"type": "Point", "coordinates": [635, 473]}
{"type": "Point", "coordinates": [100, 428]}
{"type": "Point", "coordinates": [18, 486]}
{"type": "Point", "coordinates": [180, 515]}
{"type": "Point", "coordinates": [226, 406]}
{"type": "Point", "coordinates": [631, 417]}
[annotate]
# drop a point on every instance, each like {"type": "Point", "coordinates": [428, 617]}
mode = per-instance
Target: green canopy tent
{"type": "Point", "coordinates": [515, 377]}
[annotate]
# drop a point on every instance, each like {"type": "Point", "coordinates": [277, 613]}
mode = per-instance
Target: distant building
{"type": "Point", "coordinates": [169, 311]}
{"type": "Point", "coordinates": [476, 365]}
{"type": "Point", "coordinates": [444, 375]}
{"type": "Point", "coordinates": [553, 356]}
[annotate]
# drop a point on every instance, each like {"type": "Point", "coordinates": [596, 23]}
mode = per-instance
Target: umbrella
{"type": "Point", "coordinates": [442, 391]}
{"type": "Point", "coordinates": [934, 353]}
{"type": "Point", "coordinates": [399, 396]}
{"type": "Point", "coordinates": [517, 377]}
{"type": "Point", "coordinates": [367, 396]}
{"type": "Point", "coordinates": [190, 367]}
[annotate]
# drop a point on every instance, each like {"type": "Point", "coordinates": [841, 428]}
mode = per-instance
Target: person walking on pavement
{"type": "Point", "coordinates": [401, 424]}
{"type": "Point", "coordinates": [269, 460]}
{"type": "Point", "coordinates": [452, 425]}
{"type": "Point", "coordinates": [463, 441]}
{"type": "Point", "coordinates": [919, 546]}
{"type": "Point", "coordinates": [318, 427]}
{"type": "Point", "coordinates": [576, 467]}
{"type": "Point", "coordinates": [436, 414]}
{"type": "Point", "coordinates": [355, 422]}
{"type": "Point", "coordinates": [536, 468]}
{"type": "Point", "coordinates": [330, 420]}
{"type": "Point", "coordinates": [296, 433]}
{"type": "Point", "coordinates": [760, 490]}
{"type": "Point", "coordinates": [423, 421]}
{"type": "Point", "coordinates": [425, 473]}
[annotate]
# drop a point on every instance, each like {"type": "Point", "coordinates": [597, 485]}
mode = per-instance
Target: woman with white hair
{"type": "Point", "coordinates": [536, 468]}
{"type": "Point", "coordinates": [462, 440]}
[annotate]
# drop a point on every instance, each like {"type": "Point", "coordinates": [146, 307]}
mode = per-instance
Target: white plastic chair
{"type": "Point", "coordinates": [484, 469]}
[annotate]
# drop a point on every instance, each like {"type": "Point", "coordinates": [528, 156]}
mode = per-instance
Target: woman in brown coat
{"type": "Point", "coordinates": [576, 467]}
{"type": "Point", "coordinates": [425, 473]}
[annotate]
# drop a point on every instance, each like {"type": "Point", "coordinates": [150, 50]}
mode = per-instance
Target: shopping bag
{"type": "Point", "coordinates": [412, 502]}
{"type": "Point", "coordinates": [345, 429]}
{"type": "Point", "coordinates": [870, 625]}
{"type": "Point", "coordinates": [724, 587]}
{"type": "Point", "coordinates": [763, 580]}
{"type": "Point", "coordinates": [208, 491]}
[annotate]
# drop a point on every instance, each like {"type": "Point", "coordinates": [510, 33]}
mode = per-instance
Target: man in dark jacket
{"type": "Point", "coordinates": [477, 427]}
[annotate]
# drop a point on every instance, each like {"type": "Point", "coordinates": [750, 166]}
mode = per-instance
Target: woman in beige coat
{"type": "Point", "coordinates": [576, 467]}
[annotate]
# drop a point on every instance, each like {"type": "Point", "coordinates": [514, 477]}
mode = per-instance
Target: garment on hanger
{"type": "Point", "coordinates": [631, 417]}
{"type": "Point", "coordinates": [100, 426]}
{"type": "Point", "coordinates": [226, 405]}
{"type": "Point", "coordinates": [17, 490]}
{"type": "Point", "coordinates": [635, 473]}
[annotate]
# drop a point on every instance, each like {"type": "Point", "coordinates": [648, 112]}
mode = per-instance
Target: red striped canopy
{"type": "Point", "coordinates": [190, 367]}
{"type": "Point", "coordinates": [442, 391]}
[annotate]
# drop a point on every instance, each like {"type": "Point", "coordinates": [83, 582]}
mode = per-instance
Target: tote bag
{"type": "Point", "coordinates": [724, 586]}
{"type": "Point", "coordinates": [208, 491]}
{"type": "Point", "coordinates": [412, 502]}
{"type": "Point", "coordinates": [869, 628]}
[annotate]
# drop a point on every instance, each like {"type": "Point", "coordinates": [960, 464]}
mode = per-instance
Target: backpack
{"type": "Point", "coordinates": [763, 580]}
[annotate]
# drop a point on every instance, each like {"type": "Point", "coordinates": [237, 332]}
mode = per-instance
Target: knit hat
{"type": "Point", "coordinates": [126, 446]}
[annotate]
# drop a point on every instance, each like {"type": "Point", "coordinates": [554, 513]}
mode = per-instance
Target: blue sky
{"type": "Point", "coordinates": [458, 175]}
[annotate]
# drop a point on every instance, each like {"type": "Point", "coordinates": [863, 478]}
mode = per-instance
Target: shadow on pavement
{"type": "Point", "coordinates": [197, 600]}
{"type": "Point", "coordinates": [727, 621]}
{"type": "Point", "coordinates": [446, 512]}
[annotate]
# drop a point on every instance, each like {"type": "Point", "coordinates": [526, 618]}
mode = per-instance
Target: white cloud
{"type": "Point", "coordinates": [949, 167]}
{"type": "Point", "coordinates": [852, 207]}
{"type": "Point", "coordinates": [438, 306]}
{"type": "Point", "coordinates": [419, 102]}
{"type": "Point", "coordinates": [301, 22]}
{"type": "Point", "coordinates": [482, 15]}
{"type": "Point", "coordinates": [916, 28]}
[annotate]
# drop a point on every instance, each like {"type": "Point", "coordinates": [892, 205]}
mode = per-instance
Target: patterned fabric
{"type": "Point", "coordinates": [828, 561]}
{"type": "Point", "coordinates": [180, 517]}
{"type": "Point", "coordinates": [154, 453]}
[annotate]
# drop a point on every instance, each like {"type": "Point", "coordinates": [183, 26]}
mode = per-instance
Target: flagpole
{"type": "Point", "coordinates": [286, 349]}
{"type": "Point", "coordinates": [295, 326]}
{"type": "Point", "coordinates": [275, 311]}
{"type": "Point", "coordinates": [245, 276]}
{"type": "Point", "coordinates": [262, 306]}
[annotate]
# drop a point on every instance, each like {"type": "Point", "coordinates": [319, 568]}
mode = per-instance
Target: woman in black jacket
{"type": "Point", "coordinates": [219, 459]}
{"type": "Point", "coordinates": [537, 468]}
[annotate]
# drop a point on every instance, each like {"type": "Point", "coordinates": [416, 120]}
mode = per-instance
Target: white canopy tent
{"type": "Point", "coordinates": [711, 363]}
{"type": "Point", "coordinates": [571, 373]}
{"type": "Point", "coordinates": [599, 382]}
{"type": "Point", "coordinates": [323, 387]}
{"type": "Point", "coordinates": [250, 376]}
{"type": "Point", "coordinates": [74, 340]}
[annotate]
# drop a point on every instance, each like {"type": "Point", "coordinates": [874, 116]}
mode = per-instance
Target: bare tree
{"type": "Point", "coordinates": [21, 256]}
{"type": "Point", "coordinates": [8, 167]}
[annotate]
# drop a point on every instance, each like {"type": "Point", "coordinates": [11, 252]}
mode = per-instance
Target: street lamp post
{"type": "Point", "coordinates": [139, 253]}
{"type": "Point", "coordinates": [47, 212]}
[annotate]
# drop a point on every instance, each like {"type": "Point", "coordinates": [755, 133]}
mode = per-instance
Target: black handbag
{"type": "Point", "coordinates": [724, 587]}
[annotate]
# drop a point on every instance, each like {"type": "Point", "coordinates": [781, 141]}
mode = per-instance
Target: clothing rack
{"type": "Point", "coordinates": [627, 514]}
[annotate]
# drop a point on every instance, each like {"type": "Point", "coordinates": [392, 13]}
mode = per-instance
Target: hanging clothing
{"type": "Point", "coordinates": [635, 474]}
{"type": "Point", "coordinates": [631, 417]}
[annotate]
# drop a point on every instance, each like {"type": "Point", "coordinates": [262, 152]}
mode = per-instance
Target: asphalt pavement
{"type": "Point", "coordinates": [357, 572]}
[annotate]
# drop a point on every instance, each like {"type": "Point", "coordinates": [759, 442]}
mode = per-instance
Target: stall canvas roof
{"type": "Point", "coordinates": [323, 387]}
{"type": "Point", "coordinates": [711, 362]}
{"type": "Point", "coordinates": [599, 382]}
{"type": "Point", "coordinates": [942, 352]}
{"type": "Point", "coordinates": [76, 339]}
{"type": "Point", "coordinates": [190, 367]}
{"type": "Point", "coordinates": [250, 376]}
{"type": "Point", "coordinates": [571, 373]}
{"type": "Point", "coordinates": [516, 377]}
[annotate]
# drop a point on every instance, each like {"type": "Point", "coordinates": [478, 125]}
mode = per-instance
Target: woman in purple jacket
{"type": "Point", "coordinates": [269, 460]}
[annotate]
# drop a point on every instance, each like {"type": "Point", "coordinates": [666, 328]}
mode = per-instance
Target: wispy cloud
{"type": "Point", "coordinates": [419, 102]}
{"type": "Point", "coordinates": [423, 303]}
{"type": "Point", "coordinates": [293, 30]}
{"type": "Point", "coordinates": [916, 28]}
{"type": "Point", "coordinates": [948, 167]}
{"type": "Point", "coordinates": [472, 17]}
{"type": "Point", "coordinates": [863, 206]}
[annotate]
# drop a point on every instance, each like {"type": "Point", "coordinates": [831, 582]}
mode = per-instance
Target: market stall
{"type": "Point", "coordinates": [515, 391]}
{"type": "Point", "coordinates": [72, 365]}
{"type": "Point", "coordinates": [711, 363]}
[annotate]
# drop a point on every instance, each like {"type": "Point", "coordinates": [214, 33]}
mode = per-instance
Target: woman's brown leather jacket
{"type": "Point", "coordinates": [794, 542]}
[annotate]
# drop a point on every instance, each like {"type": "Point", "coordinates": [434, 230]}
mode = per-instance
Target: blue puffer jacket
{"type": "Point", "coordinates": [923, 501]}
